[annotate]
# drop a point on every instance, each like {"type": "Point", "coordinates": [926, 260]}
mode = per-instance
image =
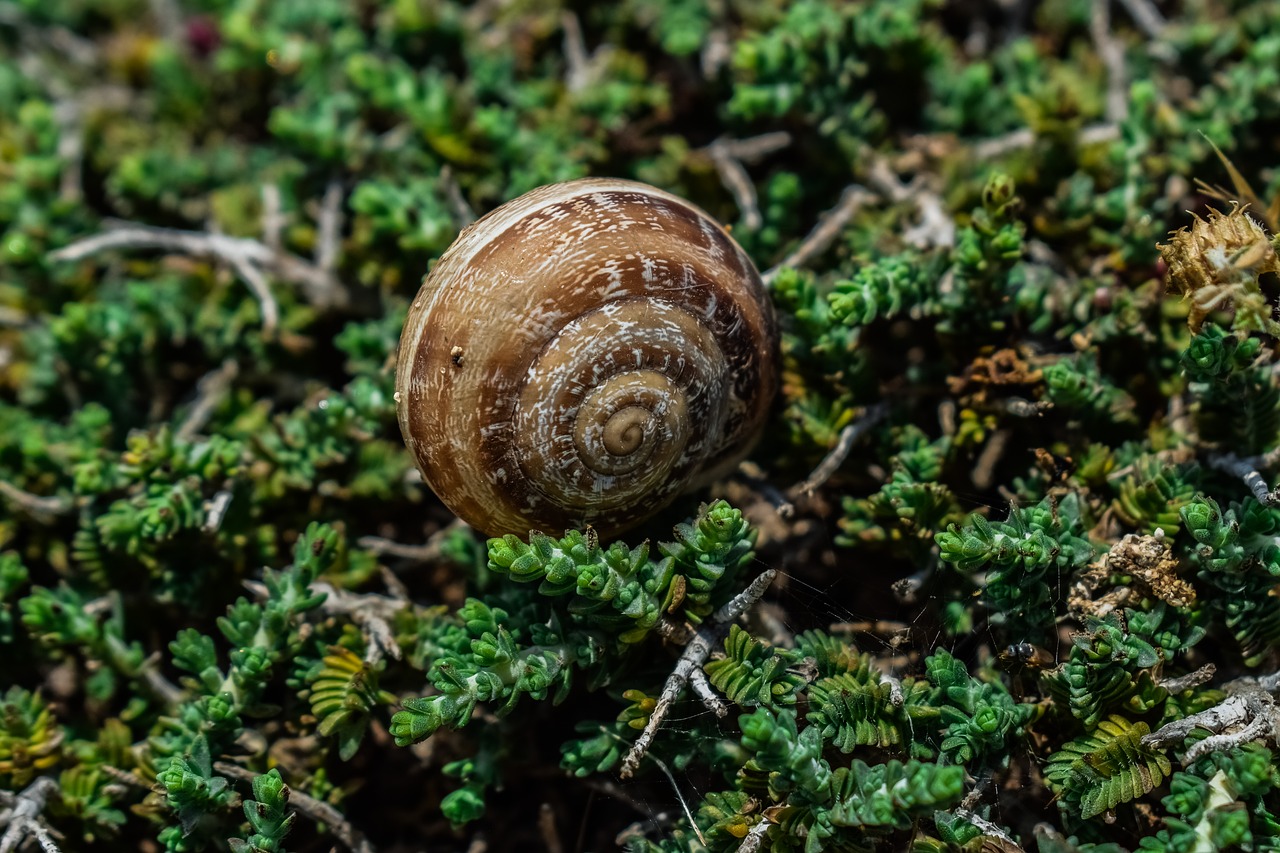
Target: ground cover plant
{"type": "Point", "coordinates": [1004, 574]}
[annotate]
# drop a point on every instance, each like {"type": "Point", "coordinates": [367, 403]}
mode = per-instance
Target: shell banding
{"type": "Point", "coordinates": [581, 355]}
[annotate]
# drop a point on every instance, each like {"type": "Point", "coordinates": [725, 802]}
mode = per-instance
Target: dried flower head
{"type": "Point", "coordinates": [1217, 262]}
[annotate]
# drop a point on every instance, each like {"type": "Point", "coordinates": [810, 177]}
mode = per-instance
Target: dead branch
{"type": "Point", "coordinates": [22, 816]}
{"type": "Point", "coordinates": [1111, 50]}
{"type": "Point", "coordinates": [317, 810]}
{"type": "Point", "coordinates": [825, 232]}
{"type": "Point", "coordinates": [319, 287]}
{"type": "Point", "coordinates": [871, 416]}
{"type": "Point", "coordinates": [695, 655]}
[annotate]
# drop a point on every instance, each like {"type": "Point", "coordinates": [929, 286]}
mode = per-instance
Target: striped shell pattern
{"type": "Point", "coordinates": [581, 355]}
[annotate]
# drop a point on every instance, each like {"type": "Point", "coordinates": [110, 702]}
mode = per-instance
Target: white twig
{"type": "Point", "coordinates": [998, 146]}
{"type": "Point", "coordinates": [844, 444]}
{"type": "Point", "coordinates": [988, 828]}
{"type": "Point", "coordinates": [825, 232]}
{"type": "Point", "coordinates": [39, 506]}
{"type": "Point", "coordinates": [273, 218]}
{"type": "Point", "coordinates": [1246, 468]}
{"type": "Point", "coordinates": [728, 155]}
{"type": "Point", "coordinates": [372, 612]}
{"type": "Point", "coordinates": [261, 290]}
{"type": "Point", "coordinates": [1111, 50]}
{"type": "Point", "coordinates": [1260, 727]}
{"type": "Point", "coordinates": [22, 816]}
{"type": "Point", "coordinates": [695, 655]}
{"type": "Point", "coordinates": [215, 510]}
{"type": "Point", "coordinates": [429, 552]}
{"type": "Point", "coordinates": [1146, 16]}
{"type": "Point", "coordinates": [1195, 678]}
{"type": "Point", "coordinates": [702, 688]}
{"type": "Point", "coordinates": [936, 227]}
{"type": "Point", "coordinates": [70, 149]}
{"type": "Point", "coordinates": [755, 148]}
{"type": "Point", "coordinates": [462, 211]}
{"type": "Point", "coordinates": [577, 62]}
{"type": "Point", "coordinates": [211, 390]}
{"type": "Point", "coordinates": [1249, 705]}
{"type": "Point", "coordinates": [329, 227]}
{"type": "Point", "coordinates": [734, 176]}
{"type": "Point", "coordinates": [319, 286]}
{"type": "Point", "coordinates": [753, 839]}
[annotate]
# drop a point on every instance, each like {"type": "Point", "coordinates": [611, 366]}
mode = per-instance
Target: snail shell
{"type": "Point", "coordinates": [581, 355]}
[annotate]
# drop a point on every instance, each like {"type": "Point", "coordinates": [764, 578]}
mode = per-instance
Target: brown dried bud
{"type": "Point", "coordinates": [1216, 263]}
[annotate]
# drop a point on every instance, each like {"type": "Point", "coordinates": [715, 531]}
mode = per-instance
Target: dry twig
{"type": "Point", "coordinates": [273, 218]}
{"type": "Point", "coordinates": [998, 146]}
{"type": "Point", "coordinates": [728, 155]}
{"type": "Point", "coordinates": [988, 828]}
{"type": "Point", "coordinates": [1111, 50]}
{"type": "Point", "coordinates": [1246, 468]}
{"type": "Point", "coordinates": [825, 232]}
{"type": "Point", "coordinates": [329, 227]}
{"type": "Point", "coordinates": [42, 507]}
{"type": "Point", "coordinates": [372, 612]}
{"type": "Point", "coordinates": [734, 176]}
{"type": "Point", "coordinates": [210, 391]}
{"type": "Point", "coordinates": [249, 258]}
{"type": "Point", "coordinates": [936, 228]}
{"type": "Point", "coordinates": [462, 211]}
{"type": "Point", "coordinates": [753, 839]}
{"type": "Point", "coordinates": [22, 816]}
{"type": "Point", "coordinates": [577, 62]}
{"type": "Point", "coordinates": [695, 655]}
{"type": "Point", "coordinates": [844, 444]}
{"type": "Point", "coordinates": [1146, 16]}
{"type": "Point", "coordinates": [317, 810]}
{"type": "Point", "coordinates": [429, 552]}
{"type": "Point", "coordinates": [1250, 708]}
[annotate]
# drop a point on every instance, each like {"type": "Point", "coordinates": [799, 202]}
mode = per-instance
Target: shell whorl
{"type": "Point", "coordinates": [581, 355]}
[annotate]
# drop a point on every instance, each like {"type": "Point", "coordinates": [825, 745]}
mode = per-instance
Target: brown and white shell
{"type": "Point", "coordinates": [581, 355]}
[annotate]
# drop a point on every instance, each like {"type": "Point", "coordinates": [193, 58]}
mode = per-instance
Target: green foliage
{"type": "Point", "coordinates": [1077, 386]}
{"type": "Point", "coordinates": [1237, 557]}
{"type": "Point", "coordinates": [1103, 668]}
{"type": "Point", "coordinates": [830, 807]}
{"type": "Point", "coordinates": [912, 504]}
{"type": "Point", "coordinates": [266, 815]}
{"type": "Point", "coordinates": [491, 654]}
{"type": "Point", "coordinates": [891, 286]}
{"type": "Point", "coordinates": [344, 691]}
{"type": "Point", "coordinates": [1024, 559]}
{"type": "Point", "coordinates": [1238, 401]}
{"type": "Point", "coordinates": [980, 717]}
{"type": "Point", "coordinates": [184, 744]}
{"type": "Point", "coordinates": [831, 66]}
{"type": "Point", "coordinates": [1095, 773]}
{"type": "Point", "coordinates": [857, 709]}
{"type": "Point", "coordinates": [13, 576]}
{"type": "Point", "coordinates": [87, 799]}
{"type": "Point", "coordinates": [29, 737]}
{"type": "Point", "coordinates": [1222, 801]}
{"type": "Point", "coordinates": [1152, 497]}
{"type": "Point", "coordinates": [752, 674]}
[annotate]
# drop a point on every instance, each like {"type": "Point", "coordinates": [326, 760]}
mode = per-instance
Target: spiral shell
{"type": "Point", "coordinates": [581, 355]}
